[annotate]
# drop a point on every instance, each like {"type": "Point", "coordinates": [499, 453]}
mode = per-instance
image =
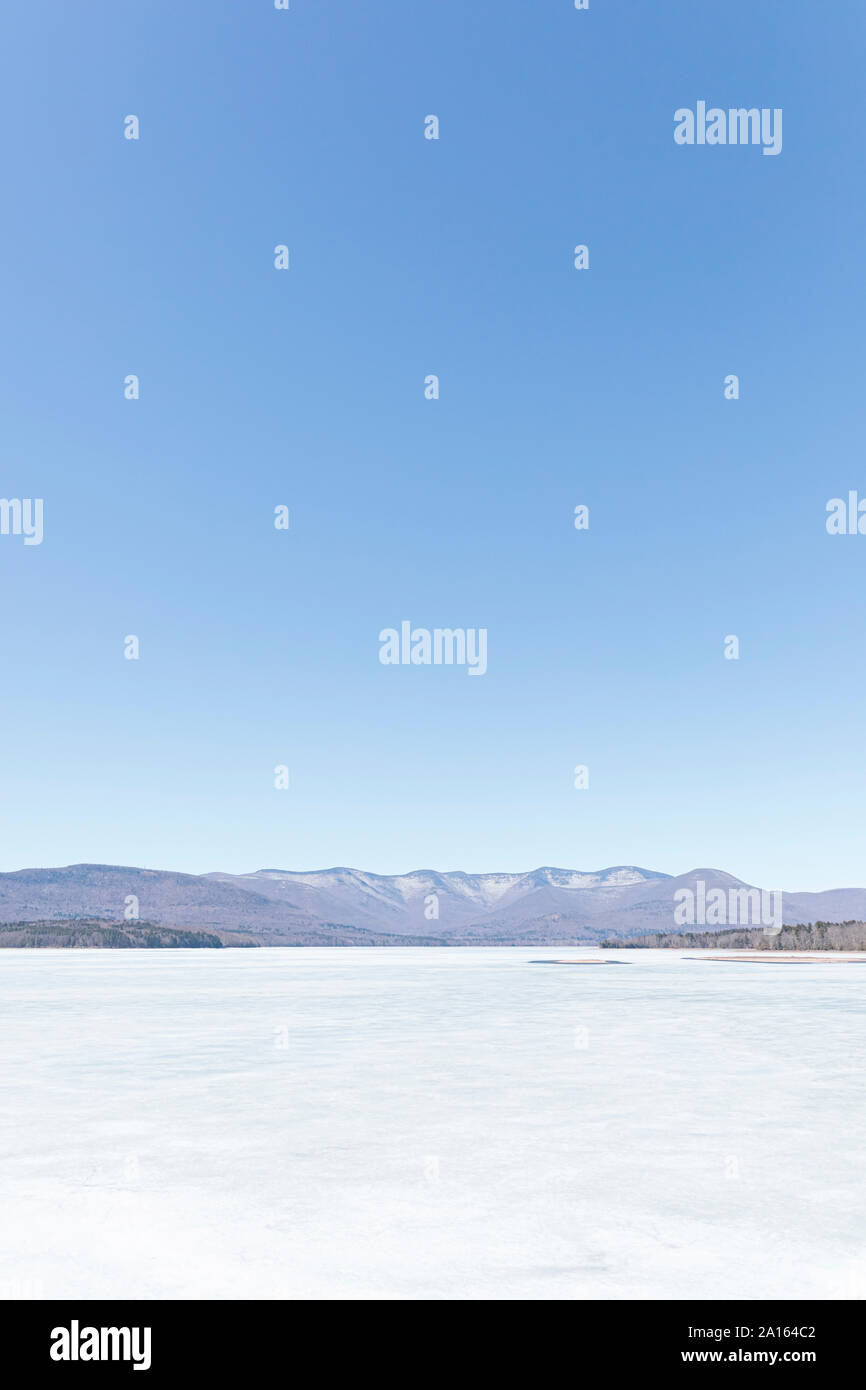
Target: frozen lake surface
{"type": "Point", "coordinates": [429, 1124]}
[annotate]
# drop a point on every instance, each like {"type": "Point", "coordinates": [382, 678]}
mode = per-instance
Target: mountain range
{"type": "Point", "coordinates": [353, 907]}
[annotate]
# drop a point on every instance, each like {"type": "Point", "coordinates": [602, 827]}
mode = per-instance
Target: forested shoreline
{"type": "Point", "coordinates": [809, 936]}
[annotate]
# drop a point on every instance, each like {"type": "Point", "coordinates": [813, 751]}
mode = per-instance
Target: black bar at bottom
{"type": "Point", "coordinates": [157, 1339]}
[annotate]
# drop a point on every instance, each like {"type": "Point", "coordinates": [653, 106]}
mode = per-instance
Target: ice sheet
{"type": "Point", "coordinates": [429, 1124]}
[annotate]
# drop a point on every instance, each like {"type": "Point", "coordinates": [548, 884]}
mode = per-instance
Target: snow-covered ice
{"type": "Point", "coordinates": [429, 1124]}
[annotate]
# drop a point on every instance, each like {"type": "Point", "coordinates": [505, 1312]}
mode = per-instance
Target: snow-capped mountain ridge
{"type": "Point", "coordinates": [354, 907]}
{"type": "Point", "coordinates": [482, 891]}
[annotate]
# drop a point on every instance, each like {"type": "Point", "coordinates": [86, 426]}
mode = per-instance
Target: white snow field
{"type": "Point", "coordinates": [430, 1123]}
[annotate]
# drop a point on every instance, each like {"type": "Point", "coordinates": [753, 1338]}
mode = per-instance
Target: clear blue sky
{"type": "Point", "coordinates": [558, 387]}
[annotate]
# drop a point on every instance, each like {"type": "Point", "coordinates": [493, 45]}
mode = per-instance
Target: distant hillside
{"type": "Point", "coordinates": [427, 907]}
{"type": "Point", "coordinates": [811, 936]}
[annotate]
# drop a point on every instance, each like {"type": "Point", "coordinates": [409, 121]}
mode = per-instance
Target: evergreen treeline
{"type": "Point", "coordinates": [83, 932]}
{"type": "Point", "coordinates": [91, 932]}
{"type": "Point", "coordinates": [809, 936]}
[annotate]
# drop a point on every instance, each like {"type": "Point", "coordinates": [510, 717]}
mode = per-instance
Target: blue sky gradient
{"type": "Point", "coordinates": [558, 387]}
